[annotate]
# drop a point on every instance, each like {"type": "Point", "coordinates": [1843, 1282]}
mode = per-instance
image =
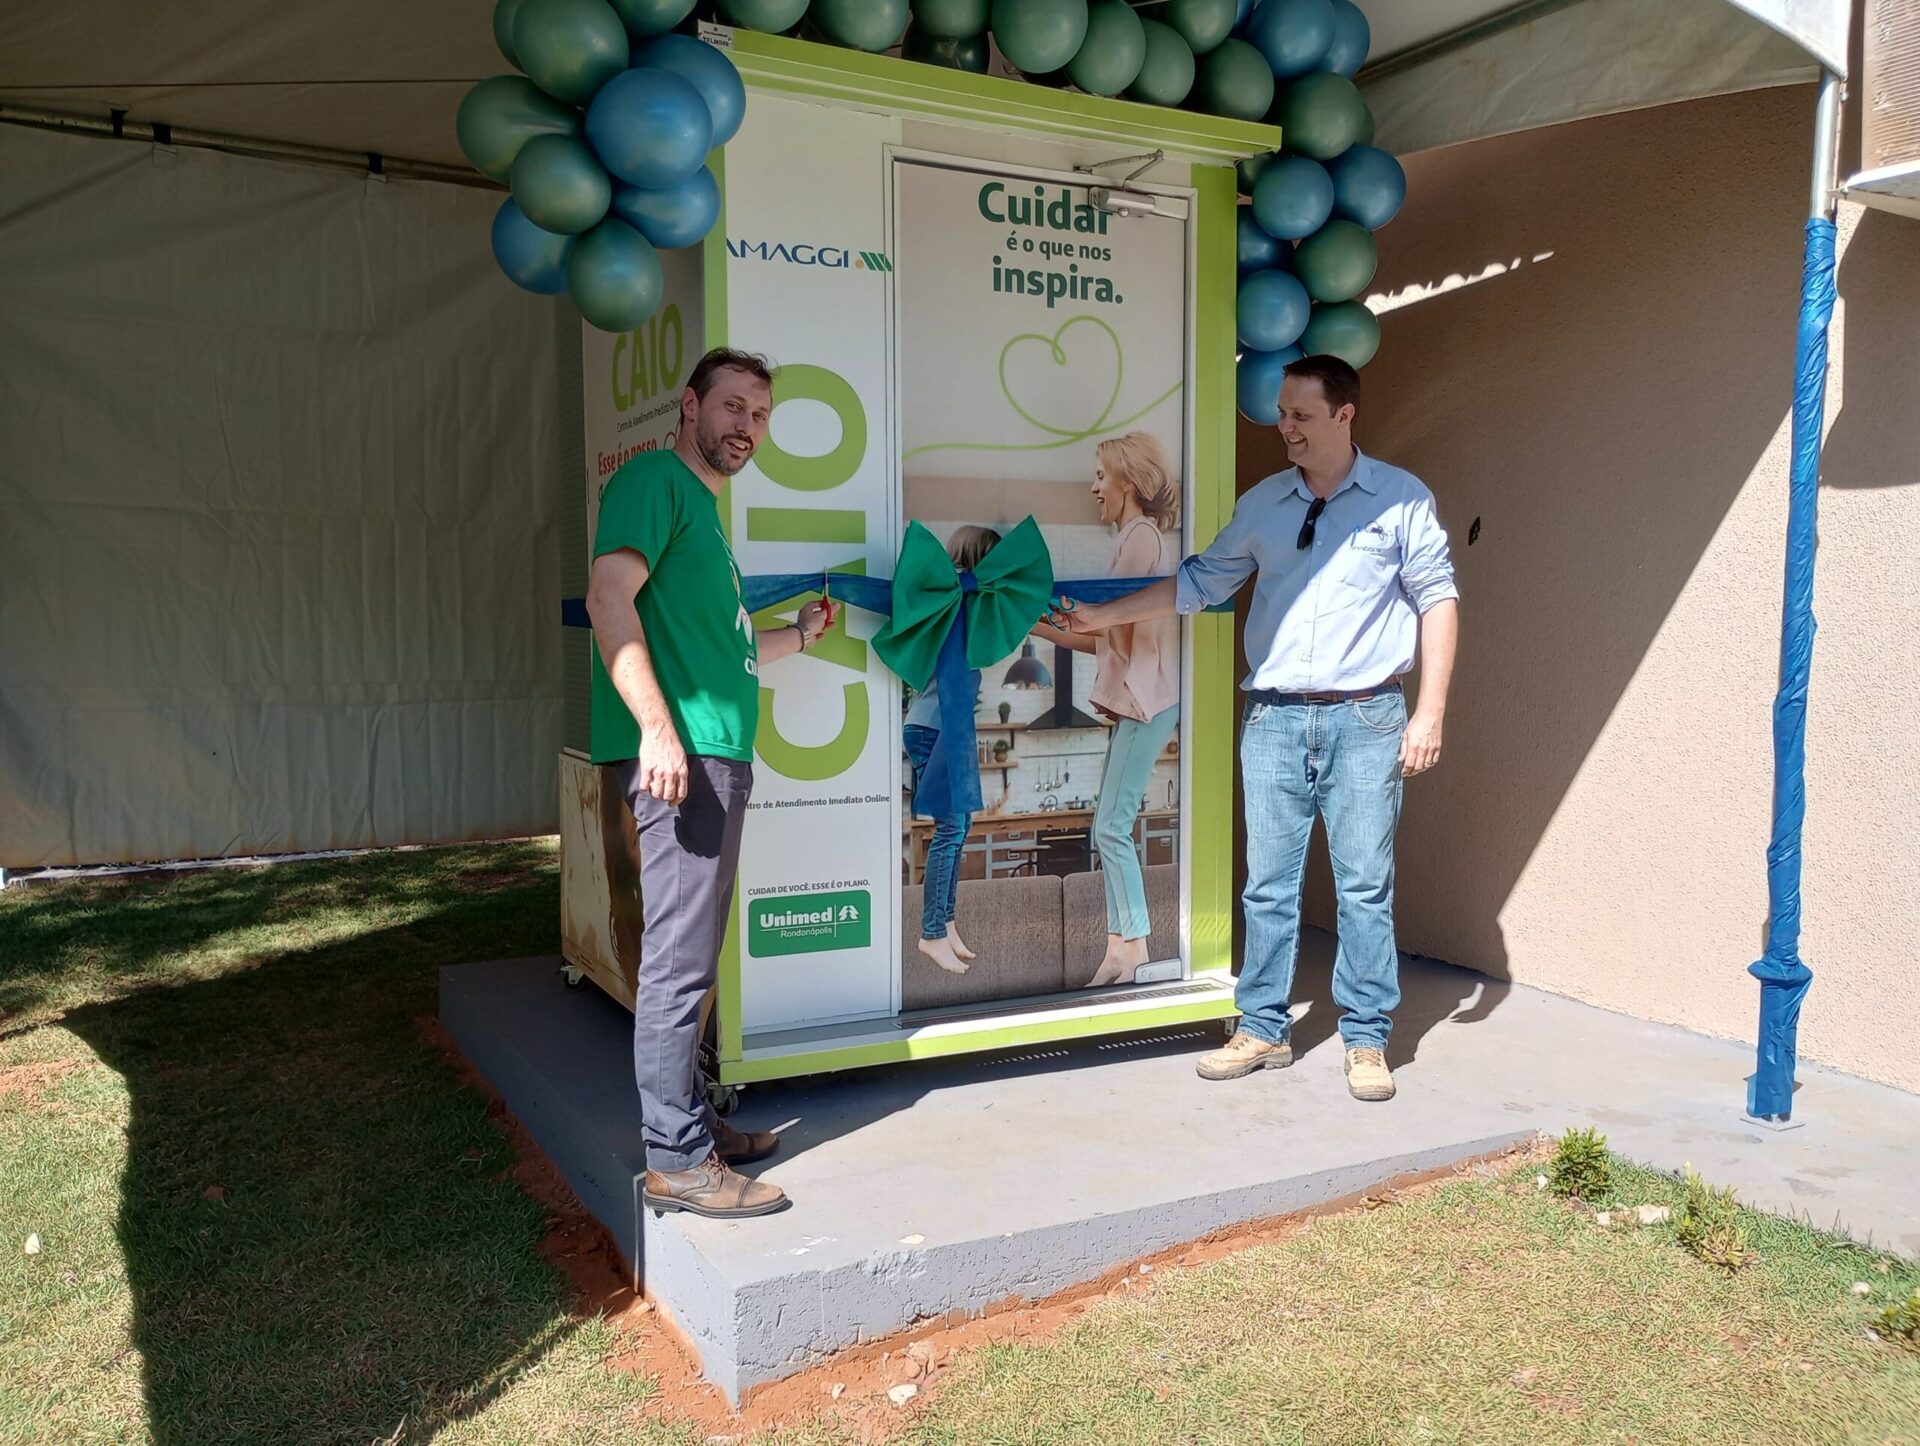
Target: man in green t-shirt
{"type": "Point", "coordinates": [675, 703]}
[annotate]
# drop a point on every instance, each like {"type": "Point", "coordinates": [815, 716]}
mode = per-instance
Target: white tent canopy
{"type": "Point", "coordinates": [378, 76]}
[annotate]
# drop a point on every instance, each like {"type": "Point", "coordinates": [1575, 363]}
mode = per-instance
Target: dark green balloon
{"type": "Point", "coordinates": [645, 19]}
{"type": "Point", "coordinates": [570, 48]}
{"type": "Point", "coordinates": [501, 114]}
{"type": "Point", "coordinates": [1166, 76]}
{"type": "Point", "coordinates": [1203, 24]}
{"type": "Point", "coordinates": [1250, 168]}
{"type": "Point", "coordinates": [614, 276]}
{"type": "Point", "coordinates": [503, 14]}
{"type": "Point", "coordinates": [770, 15]}
{"type": "Point", "coordinates": [560, 185]}
{"type": "Point", "coordinates": [1322, 115]}
{"type": "Point", "coordinates": [1346, 330]}
{"type": "Point", "coordinates": [1336, 262]}
{"type": "Point", "coordinates": [1038, 35]}
{"type": "Point", "coordinates": [952, 51]}
{"type": "Point", "coordinates": [1366, 131]}
{"type": "Point", "coordinates": [956, 19]}
{"type": "Point", "coordinates": [1234, 80]}
{"type": "Point", "coordinates": [1109, 59]}
{"type": "Point", "coordinates": [871, 25]}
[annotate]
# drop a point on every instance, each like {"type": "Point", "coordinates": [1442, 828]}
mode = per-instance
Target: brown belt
{"type": "Point", "coordinates": [1268, 698]}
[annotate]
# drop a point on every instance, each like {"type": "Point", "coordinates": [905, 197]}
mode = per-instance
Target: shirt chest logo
{"type": "Point", "coordinates": [1373, 537]}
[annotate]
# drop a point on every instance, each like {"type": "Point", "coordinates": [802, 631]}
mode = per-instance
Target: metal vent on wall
{"type": "Point", "coordinates": [1889, 99]}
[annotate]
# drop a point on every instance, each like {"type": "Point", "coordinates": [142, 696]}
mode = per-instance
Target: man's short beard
{"type": "Point", "coordinates": [714, 452]}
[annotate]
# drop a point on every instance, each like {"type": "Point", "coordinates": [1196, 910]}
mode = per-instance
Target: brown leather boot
{"type": "Point", "coordinates": [712, 1190]}
{"type": "Point", "coordinates": [742, 1147]}
{"type": "Point", "coordinates": [1241, 1055]}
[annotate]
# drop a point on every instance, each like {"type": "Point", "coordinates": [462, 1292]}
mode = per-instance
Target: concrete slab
{"type": "Point", "coordinates": [953, 1184]}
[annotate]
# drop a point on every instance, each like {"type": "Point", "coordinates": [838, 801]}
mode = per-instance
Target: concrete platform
{"type": "Point", "coordinates": [952, 1185]}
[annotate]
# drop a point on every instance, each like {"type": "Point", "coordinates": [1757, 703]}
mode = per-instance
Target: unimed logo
{"type": "Point", "coordinates": [809, 923]}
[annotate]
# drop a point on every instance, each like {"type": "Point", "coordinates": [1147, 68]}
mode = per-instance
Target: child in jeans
{"type": "Point", "coordinates": [939, 940]}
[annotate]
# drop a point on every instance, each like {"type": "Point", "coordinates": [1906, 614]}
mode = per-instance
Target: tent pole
{"type": "Point", "coordinates": [1783, 975]}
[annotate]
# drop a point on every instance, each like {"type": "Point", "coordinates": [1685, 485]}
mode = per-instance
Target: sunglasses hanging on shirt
{"type": "Point", "coordinates": [1314, 509]}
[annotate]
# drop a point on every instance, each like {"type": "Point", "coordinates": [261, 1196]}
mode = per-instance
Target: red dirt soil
{"type": "Point", "coordinates": [851, 1386]}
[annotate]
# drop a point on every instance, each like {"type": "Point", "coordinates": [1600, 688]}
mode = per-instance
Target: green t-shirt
{"type": "Point", "coordinates": [698, 628]}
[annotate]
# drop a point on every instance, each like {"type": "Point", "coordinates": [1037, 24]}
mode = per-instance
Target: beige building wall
{"type": "Point", "coordinates": [1588, 344]}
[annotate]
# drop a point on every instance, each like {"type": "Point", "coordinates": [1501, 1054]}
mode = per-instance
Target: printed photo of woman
{"type": "Point", "coordinates": [1137, 683]}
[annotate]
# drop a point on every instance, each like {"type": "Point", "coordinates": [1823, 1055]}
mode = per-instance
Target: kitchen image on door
{"type": "Point", "coordinates": [1042, 364]}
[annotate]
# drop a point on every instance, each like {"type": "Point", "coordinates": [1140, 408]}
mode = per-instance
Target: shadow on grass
{"type": "Point", "coordinates": [321, 1236]}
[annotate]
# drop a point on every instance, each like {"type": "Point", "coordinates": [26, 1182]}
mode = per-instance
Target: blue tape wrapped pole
{"type": "Point", "coordinates": [1783, 975]}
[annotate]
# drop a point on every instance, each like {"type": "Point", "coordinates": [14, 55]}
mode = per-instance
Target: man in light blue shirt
{"type": "Point", "coordinates": [1352, 581]}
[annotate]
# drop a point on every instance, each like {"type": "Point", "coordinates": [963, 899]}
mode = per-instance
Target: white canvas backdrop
{"type": "Point", "coordinates": [278, 511]}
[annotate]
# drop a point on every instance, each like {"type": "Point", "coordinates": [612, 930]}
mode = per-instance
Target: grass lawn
{"type": "Point", "coordinates": [269, 1213]}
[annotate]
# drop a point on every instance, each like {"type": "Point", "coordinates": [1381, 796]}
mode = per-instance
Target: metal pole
{"type": "Point", "coordinates": [1784, 977]}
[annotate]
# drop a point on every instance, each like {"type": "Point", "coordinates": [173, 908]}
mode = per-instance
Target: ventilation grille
{"type": "Point", "coordinates": [1890, 115]}
{"type": "Point", "coordinates": [1051, 1006]}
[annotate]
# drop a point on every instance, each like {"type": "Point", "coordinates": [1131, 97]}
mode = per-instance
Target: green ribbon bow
{"type": "Point", "coordinates": [1002, 599]}
{"type": "Point", "coordinates": [945, 622]}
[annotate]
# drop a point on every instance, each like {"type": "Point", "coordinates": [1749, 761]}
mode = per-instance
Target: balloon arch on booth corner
{"type": "Point", "coordinates": [603, 137]}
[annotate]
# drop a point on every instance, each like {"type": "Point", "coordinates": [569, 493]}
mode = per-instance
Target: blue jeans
{"type": "Point", "coordinates": [1131, 754]}
{"type": "Point", "coordinates": [1340, 760]}
{"type": "Point", "coordinates": [941, 891]}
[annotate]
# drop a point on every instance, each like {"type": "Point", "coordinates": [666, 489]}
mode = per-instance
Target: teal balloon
{"type": "Point", "coordinates": [500, 115]}
{"type": "Point", "coordinates": [650, 127]}
{"type": "Point", "coordinates": [1270, 310]}
{"type": "Point", "coordinates": [955, 19]}
{"type": "Point", "coordinates": [503, 14]}
{"type": "Point", "coordinates": [614, 277]}
{"type": "Point", "coordinates": [1248, 170]}
{"type": "Point", "coordinates": [1109, 59]}
{"type": "Point", "coordinates": [1369, 186]}
{"type": "Point", "coordinates": [774, 16]}
{"type": "Point", "coordinates": [531, 258]}
{"type": "Point", "coordinates": [1257, 250]}
{"type": "Point", "coordinates": [1038, 35]}
{"type": "Point", "coordinates": [1351, 37]}
{"type": "Point", "coordinates": [955, 52]}
{"type": "Point", "coordinates": [1203, 24]}
{"type": "Point", "coordinates": [1256, 381]}
{"type": "Point", "coordinates": [1346, 330]}
{"type": "Point", "coordinates": [570, 48]}
{"type": "Point", "coordinates": [559, 184]}
{"type": "Point", "coordinates": [1336, 262]}
{"type": "Point", "coordinates": [1322, 115]}
{"type": "Point", "coordinates": [1293, 197]}
{"type": "Point", "coordinates": [1166, 75]}
{"type": "Point", "coordinates": [707, 69]}
{"type": "Point", "coordinates": [871, 25]}
{"type": "Point", "coordinates": [1294, 35]}
{"type": "Point", "coordinates": [1233, 80]}
{"type": "Point", "coordinates": [677, 216]}
{"type": "Point", "coordinates": [645, 19]}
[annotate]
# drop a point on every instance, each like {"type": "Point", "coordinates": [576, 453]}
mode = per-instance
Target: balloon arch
{"type": "Point", "coordinates": [603, 136]}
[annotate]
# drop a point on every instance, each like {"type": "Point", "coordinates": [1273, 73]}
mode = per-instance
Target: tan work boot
{"type": "Point", "coordinates": [712, 1190]}
{"type": "Point", "coordinates": [1368, 1077]}
{"type": "Point", "coordinates": [1243, 1054]}
{"type": "Point", "coordinates": [742, 1147]}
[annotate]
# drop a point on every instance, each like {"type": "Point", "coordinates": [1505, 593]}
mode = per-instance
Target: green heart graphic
{"type": "Point", "coordinates": [1059, 355]}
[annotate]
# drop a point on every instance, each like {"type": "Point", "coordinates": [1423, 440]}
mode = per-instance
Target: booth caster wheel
{"type": "Point", "coordinates": [725, 1099]}
{"type": "Point", "coordinates": [1230, 1025]}
{"type": "Point", "coordinates": [572, 975]}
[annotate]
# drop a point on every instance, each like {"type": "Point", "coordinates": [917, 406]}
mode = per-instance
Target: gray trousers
{"type": "Point", "coordinates": [688, 858]}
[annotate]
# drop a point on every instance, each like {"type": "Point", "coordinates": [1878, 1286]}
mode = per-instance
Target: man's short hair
{"type": "Point", "coordinates": [725, 358]}
{"type": "Point", "coordinates": [1339, 383]}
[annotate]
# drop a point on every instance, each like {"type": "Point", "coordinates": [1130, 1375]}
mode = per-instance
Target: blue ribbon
{"type": "Point", "coordinates": [943, 789]}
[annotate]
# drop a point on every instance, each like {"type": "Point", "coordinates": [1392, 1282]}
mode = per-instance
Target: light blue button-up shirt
{"type": "Point", "coordinates": [1344, 613]}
